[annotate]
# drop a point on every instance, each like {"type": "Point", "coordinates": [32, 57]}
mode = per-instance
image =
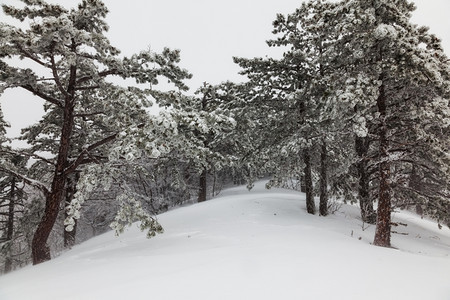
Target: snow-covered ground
{"type": "Point", "coordinates": [247, 245]}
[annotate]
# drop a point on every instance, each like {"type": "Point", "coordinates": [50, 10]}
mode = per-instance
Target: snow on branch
{"type": "Point", "coordinates": [32, 182]}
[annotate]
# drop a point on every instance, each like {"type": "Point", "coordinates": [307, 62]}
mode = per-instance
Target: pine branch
{"type": "Point", "coordinates": [87, 88]}
{"type": "Point", "coordinates": [31, 56]}
{"type": "Point", "coordinates": [102, 74]}
{"type": "Point", "coordinates": [28, 154]}
{"type": "Point", "coordinates": [42, 95]}
{"type": "Point", "coordinates": [56, 77]}
{"type": "Point", "coordinates": [89, 114]}
{"type": "Point", "coordinates": [81, 157]}
{"type": "Point", "coordinates": [34, 183]}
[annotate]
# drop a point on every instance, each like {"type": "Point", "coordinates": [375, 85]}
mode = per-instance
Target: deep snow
{"type": "Point", "coordinates": [247, 245]}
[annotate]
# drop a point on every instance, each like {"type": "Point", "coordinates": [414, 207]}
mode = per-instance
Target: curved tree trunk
{"type": "Point", "coordinates": [39, 249]}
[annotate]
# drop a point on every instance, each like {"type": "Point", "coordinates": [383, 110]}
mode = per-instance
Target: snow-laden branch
{"type": "Point", "coordinates": [32, 182]}
{"type": "Point", "coordinates": [81, 157]}
{"type": "Point", "coordinates": [28, 154]}
{"type": "Point", "coordinates": [56, 77]}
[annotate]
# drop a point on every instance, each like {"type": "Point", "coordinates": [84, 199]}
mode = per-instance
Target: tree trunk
{"type": "Point", "coordinates": [214, 183]}
{"type": "Point", "coordinates": [202, 187]}
{"type": "Point", "coordinates": [71, 189]}
{"type": "Point", "coordinates": [302, 184]}
{"type": "Point", "coordinates": [366, 205]}
{"type": "Point", "coordinates": [383, 228]}
{"type": "Point", "coordinates": [39, 248]}
{"type": "Point", "coordinates": [323, 205]}
{"type": "Point", "coordinates": [310, 205]}
{"type": "Point", "coordinates": [10, 224]}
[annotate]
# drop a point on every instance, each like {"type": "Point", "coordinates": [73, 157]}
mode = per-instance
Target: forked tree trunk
{"type": "Point", "coordinates": [323, 205]}
{"type": "Point", "coordinates": [202, 187]}
{"type": "Point", "coordinates": [383, 228]}
{"type": "Point", "coordinates": [39, 249]}
{"type": "Point", "coordinates": [368, 214]}
{"type": "Point", "coordinates": [310, 205]}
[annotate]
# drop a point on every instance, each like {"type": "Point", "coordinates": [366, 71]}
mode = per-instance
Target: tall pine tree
{"type": "Point", "coordinates": [394, 69]}
{"type": "Point", "coordinates": [72, 60]}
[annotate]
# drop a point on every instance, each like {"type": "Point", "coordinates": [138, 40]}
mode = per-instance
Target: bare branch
{"type": "Point", "coordinates": [42, 95]}
{"type": "Point", "coordinates": [56, 76]}
{"type": "Point", "coordinates": [31, 56]}
{"type": "Point", "coordinates": [81, 157]}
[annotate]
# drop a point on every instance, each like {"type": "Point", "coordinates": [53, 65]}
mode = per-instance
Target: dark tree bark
{"type": "Point", "coordinates": [310, 205]}
{"type": "Point", "coordinates": [71, 189]}
{"type": "Point", "coordinates": [302, 184]}
{"type": "Point", "coordinates": [323, 204]}
{"type": "Point", "coordinates": [214, 183]}
{"type": "Point", "coordinates": [203, 175]}
{"type": "Point", "coordinates": [202, 185]}
{"type": "Point", "coordinates": [383, 228]}
{"type": "Point", "coordinates": [10, 222]}
{"type": "Point", "coordinates": [368, 214]}
{"type": "Point", "coordinates": [39, 248]}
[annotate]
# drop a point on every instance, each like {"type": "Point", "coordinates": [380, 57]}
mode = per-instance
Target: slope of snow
{"type": "Point", "coordinates": [247, 245]}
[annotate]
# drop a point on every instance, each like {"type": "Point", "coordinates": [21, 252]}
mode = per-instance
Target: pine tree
{"type": "Point", "coordinates": [394, 69]}
{"type": "Point", "coordinates": [12, 201]}
{"type": "Point", "coordinates": [71, 46]}
{"type": "Point", "coordinates": [204, 121]}
{"type": "Point", "coordinates": [296, 95]}
{"type": "Point", "coordinates": [12, 198]}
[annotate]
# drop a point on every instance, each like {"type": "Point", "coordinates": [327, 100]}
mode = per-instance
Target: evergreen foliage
{"type": "Point", "coordinates": [91, 125]}
{"type": "Point", "coordinates": [357, 73]}
{"type": "Point", "coordinates": [356, 108]}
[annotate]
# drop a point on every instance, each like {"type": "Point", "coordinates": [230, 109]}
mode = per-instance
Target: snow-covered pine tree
{"type": "Point", "coordinates": [393, 70]}
{"type": "Point", "coordinates": [3, 126]}
{"type": "Point", "coordinates": [295, 95]}
{"type": "Point", "coordinates": [43, 137]}
{"type": "Point", "coordinates": [72, 60]}
{"type": "Point", "coordinates": [239, 145]}
{"type": "Point", "coordinates": [204, 122]}
{"type": "Point", "coordinates": [12, 200]}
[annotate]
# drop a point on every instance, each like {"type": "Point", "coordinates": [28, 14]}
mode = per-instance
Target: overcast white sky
{"type": "Point", "coordinates": [208, 32]}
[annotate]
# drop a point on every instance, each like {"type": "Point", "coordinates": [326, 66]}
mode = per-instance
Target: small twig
{"type": "Point", "coordinates": [398, 224]}
{"type": "Point", "coordinates": [402, 233]}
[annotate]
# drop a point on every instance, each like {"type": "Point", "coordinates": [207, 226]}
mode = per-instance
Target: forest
{"type": "Point", "coordinates": [356, 110]}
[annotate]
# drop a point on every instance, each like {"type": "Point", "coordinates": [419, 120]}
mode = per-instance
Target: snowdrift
{"type": "Point", "coordinates": [248, 245]}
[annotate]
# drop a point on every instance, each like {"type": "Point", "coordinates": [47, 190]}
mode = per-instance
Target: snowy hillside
{"type": "Point", "coordinates": [247, 245]}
